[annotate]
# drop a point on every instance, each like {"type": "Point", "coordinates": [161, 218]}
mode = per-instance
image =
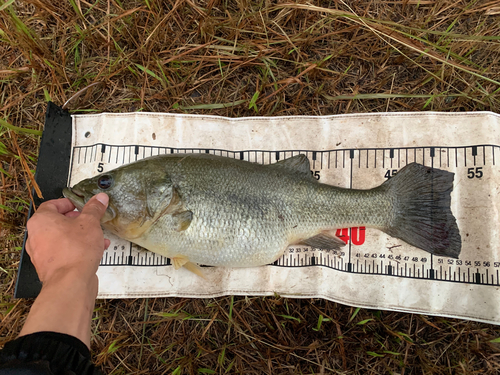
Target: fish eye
{"type": "Point", "coordinates": [105, 182]}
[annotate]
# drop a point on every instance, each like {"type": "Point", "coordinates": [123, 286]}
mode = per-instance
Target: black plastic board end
{"type": "Point", "coordinates": [51, 176]}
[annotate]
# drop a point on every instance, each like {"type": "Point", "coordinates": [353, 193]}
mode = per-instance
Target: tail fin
{"type": "Point", "coordinates": [423, 213]}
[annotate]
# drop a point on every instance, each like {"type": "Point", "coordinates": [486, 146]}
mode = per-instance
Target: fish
{"type": "Point", "coordinates": [203, 209]}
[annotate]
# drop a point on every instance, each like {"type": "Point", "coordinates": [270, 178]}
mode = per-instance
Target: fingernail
{"type": "Point", "coordinates": [103, 198]}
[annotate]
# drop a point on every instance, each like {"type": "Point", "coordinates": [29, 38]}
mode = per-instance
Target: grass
{"type": "Point", "coordinates": [244, 58]}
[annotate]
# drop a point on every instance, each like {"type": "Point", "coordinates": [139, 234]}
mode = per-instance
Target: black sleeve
{"type": "Point", "coordinates": [46, 353]}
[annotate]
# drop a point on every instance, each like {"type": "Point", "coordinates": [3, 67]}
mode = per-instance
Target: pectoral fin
{"type": "Point", "coordinates": [183, 220]}
{"type": "Point", "coordinates": [176, 204]}
{"type": "Point", "coordinates": [324, 240]}
{"type": "Point", "coordinates": [183, 261]}
{"type": "Point", "coordinates": [180, 214]}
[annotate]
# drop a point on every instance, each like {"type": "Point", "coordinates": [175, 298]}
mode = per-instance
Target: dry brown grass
{"type": "Point", "coordinates": [245, 58]}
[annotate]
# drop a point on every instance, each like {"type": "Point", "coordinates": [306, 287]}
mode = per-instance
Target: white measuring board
{"type": "Point", "coordinates": [353, 151]}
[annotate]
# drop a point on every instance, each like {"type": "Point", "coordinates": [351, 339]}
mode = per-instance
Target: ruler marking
{"type": "Point", "coordinates": [480, 275]}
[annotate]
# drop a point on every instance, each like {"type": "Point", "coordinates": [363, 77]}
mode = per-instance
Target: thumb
{"type": "Point", "coordinates": [96, 206]}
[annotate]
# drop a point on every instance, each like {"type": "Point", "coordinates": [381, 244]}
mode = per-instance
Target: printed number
{"type": "Point", "coordinates": [100, 167]}
{"type": "Point", "coordinates": [315, 174]}
{"type": "Point", "coordinates": [357, 235]}
{"type": "Point", "coordinates": [475, 172]}
{"type": "Point", "coordinates": [390, 173]}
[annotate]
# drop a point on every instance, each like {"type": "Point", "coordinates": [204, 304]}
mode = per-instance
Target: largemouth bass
{"type": "Point", "coordinates": [211, 210]}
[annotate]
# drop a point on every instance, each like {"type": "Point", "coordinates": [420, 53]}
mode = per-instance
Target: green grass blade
{"type": "Point", "coordinates": [148, 71]}
{"type": "Point", "coordinates": [354, 314]}
{"type": "Point", "coordinates": [214, 106]}
{"type": "Point", "coordinates": [18, 129]}
{"type": "Point", "coordinates": [363, 322]}
{"type": "Point", "coordinates": [6, 4]}
{"type": "Point", "coordinates": [373, 354]}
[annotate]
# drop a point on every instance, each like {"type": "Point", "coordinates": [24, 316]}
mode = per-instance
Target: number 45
{"type": "Point", "coordinates": [475, 172]}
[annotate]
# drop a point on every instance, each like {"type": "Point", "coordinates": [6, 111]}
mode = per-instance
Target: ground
{"type": "Point", "coordinates": [244, 58]}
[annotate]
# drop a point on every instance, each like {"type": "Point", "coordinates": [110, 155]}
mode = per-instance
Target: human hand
{"type": "Point", "coordinates": [65, 247]}
{"type": "Point", "coordinates": [62, 242]}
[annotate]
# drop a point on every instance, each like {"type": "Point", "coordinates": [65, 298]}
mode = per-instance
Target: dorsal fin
{"type": "Point", "coordinates": [297, 164]}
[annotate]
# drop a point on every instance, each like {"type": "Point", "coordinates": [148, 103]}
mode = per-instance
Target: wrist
{"type": "Point", "coordinates": [70, 278]}
{"type": "Point", "coordinates": [71, 285]}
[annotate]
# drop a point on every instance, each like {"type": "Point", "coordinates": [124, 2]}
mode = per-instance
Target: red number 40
{"type": "Point", "coordinates": [357, 235]}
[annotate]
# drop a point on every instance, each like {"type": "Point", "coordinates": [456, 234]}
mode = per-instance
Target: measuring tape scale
{"type": "Point", "coordinates": [350, 168]}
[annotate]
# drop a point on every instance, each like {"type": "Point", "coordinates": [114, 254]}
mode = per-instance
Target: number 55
{"type": "Point", "coordinates": [475, 172]}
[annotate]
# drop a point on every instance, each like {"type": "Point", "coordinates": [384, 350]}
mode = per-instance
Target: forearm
{"type": "Point", "coordinates": [64, 305]}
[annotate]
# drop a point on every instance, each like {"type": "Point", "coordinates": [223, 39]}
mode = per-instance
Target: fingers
{"type": "Point", "coordinates": [61, 206]}
{"type": "Point", "coordinates": [72, 214]}
{"type": "Point", "coordinates": [106, 243]}
{"type": "Point", "coordinates": [96, 206]}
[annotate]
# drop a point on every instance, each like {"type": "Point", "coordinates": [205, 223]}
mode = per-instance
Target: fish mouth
{"type": "Point", "coordinates": [75, 196]}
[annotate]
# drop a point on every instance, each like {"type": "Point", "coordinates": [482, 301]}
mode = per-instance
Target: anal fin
{"type": "Point", "coordinates": [183, 261]}
{"type": "Point", "coordinates": [324, 240]}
